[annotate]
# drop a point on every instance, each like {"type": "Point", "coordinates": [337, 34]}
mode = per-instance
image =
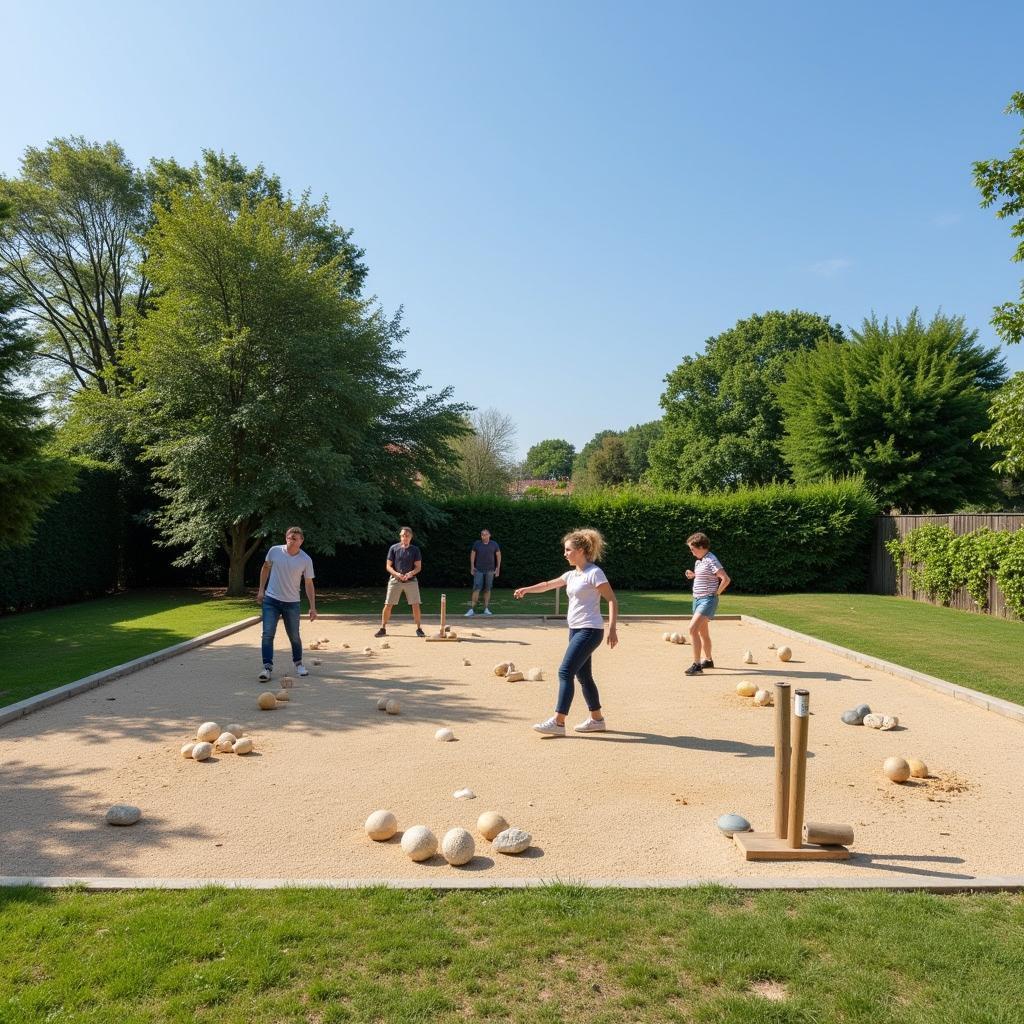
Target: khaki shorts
{"type": "Point", "coordinates": [396, 588]}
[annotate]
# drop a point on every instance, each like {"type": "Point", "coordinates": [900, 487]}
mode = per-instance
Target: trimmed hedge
{"type": "Point", "coordinates": [771, 539]}
{"type": "Point", "coordinates": [76, 548]}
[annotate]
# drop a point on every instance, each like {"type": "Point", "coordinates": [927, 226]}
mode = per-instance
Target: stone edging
{"type": "Point", "coordinates": [1005, 708]}
{"type": "Point", "coordinates": [994, 883]}
{"type": "Point", "coordinates": [42, 700]}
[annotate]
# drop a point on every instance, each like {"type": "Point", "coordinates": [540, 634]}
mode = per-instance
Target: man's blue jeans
{"type": "Point", "coordinates": [272, 611]}
{"type": "Point", "coordinates": [576, 663]}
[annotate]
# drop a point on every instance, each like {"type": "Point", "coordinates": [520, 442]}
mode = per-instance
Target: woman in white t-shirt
{"type": "Point", "coordinates": [586, 584]}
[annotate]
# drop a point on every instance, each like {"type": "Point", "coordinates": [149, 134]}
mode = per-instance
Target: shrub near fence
{"type": "Point", "coordinates": [76, 550]}
{"type": "Point", "coordinates": [813, 537]}
{"type": "Point", "coordinates": [939, 562]}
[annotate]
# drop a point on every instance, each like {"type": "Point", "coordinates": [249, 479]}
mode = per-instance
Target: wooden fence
{"type": "Point", "coordinates": [883, 570]}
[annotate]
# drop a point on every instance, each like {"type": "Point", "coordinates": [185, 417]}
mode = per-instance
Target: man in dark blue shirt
{"type": "Point", "coordinates": [484, 566]}
{"type": "Point", "coordinates": [403, 565]}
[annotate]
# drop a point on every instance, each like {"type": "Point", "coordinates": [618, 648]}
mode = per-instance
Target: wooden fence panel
{"type": "Point", "coordinates": [883, 572]}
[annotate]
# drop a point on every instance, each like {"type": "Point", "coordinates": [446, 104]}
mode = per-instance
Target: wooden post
{"type": "Point", "coordinates": [781, 759]}
{"type": "Point", "coordinates": [444, 607]}
{"type": "Point", "coordinates": [798, 769]}
{"type": "Point", "coordinates": [558, 590]}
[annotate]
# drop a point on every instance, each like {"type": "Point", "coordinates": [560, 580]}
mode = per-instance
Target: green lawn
{"type": "Point", "coordinates": [556, 954]}
{"type": "Point", "coordinates": [48, 648]}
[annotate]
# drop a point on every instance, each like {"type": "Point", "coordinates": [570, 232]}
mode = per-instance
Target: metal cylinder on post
{"type": "Point", "coordinates": [781, 759]}
{"type": "Point", "coordinates": [798, 768]}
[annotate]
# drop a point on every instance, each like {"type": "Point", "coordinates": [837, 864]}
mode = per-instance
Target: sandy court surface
{"type": "Point", "coordinates": [637, 802]}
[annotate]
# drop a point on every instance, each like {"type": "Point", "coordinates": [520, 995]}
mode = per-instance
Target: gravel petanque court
{"type": "Point", "coordinates": [639, 802]}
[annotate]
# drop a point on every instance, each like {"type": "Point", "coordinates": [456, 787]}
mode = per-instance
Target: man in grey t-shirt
{"type": "Point", "coordinates": [285, 568]}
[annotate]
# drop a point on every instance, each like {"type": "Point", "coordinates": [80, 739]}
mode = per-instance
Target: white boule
{"type": "Point", "coordinates": [243, 745]}
{"type": "Point", "coordinates": [502, 668]}
{"type": "Point", "coordinates": [512, 840]}
{"type": "Point", "coordinates": [419, 843]}
{"type": "Point", "coordinates": [918, 769]}
{"type": "Point", "coordinates": [675, 638]}
{"type": "Point", "coordinates": [514, 676]}
{"type": "Point", "coordinates": [225, 743]}
{"type": "Point", "coordinates": [236, 730]}
{"type": "Point", "coordinates": [667, 637]}
{"type": "Point", "coordinates": [208, 732]}
{"type": "Point", "coordinates": [381, 825]}
{"type": "Point", "coordinates": [896, 769]}
{"type": "Point", "coordinates": [745, 688]}
{"type": "Point", "coordinates": [266, 701]}
{"type": "Point", "coordinates": [748, 657]}
{"type": "Point", "coordinates": [123, 814]}
{"type": "Point", "coordinates": [874, 721]}
{"type": "Point", "coordinates": [784, 653]}
{"type": "Point", "coordinates": [186, 750]}
{"type": "Point", "coordinates": [763, 698]}
{"type": "Point", "coordinates": [201, 751]}
{"type": "Point", "coordinates": [535, 675]}
{"type": "Point", "coordinates": [889, 722]}
{"type": "Point", "coordinates": [393, 707]}
{"type": "Point", "coordinates": [464, 794]}
{"type": "Point", "coordinates": [457, 847]}
{"type": "Point", "coordinates": [444, 735]}
{"type": "Point", "coordinates": [490, 823]}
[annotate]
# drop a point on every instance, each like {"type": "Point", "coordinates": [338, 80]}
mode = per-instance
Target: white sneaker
{"type": "Point", "coordinates": [470, 613]}
{"type": "Point", "coordinates": [301, 670]}
{"type": "Point", "coordinates": [591, 725]}
{"type": "Point", "coordinates": [487, 611]}
{"type": "Point", "coordinates": [550, 727]}
{"type": "Point", "coordinates": [264, 675]}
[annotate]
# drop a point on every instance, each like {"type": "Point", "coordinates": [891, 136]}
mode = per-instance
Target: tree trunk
{"type": "Point", "coordinates": [237, 557]}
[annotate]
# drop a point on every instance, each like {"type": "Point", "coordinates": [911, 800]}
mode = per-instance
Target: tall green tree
{"type": "Point", "coordinates": [1002, 181]}
{"type": "Point", "coordinates": [608, 466]}
{"type": "Point", "coordinates": [550, 459]}
{"type": "Point", "coordinates": [722, 425]}
{"type": "Point", "coordinates": [70, 252]}
{"type": "Point", "coordinates": [1006, 433]}
{"type": "Point", "coordinates": [638, 440]}
{"type": "Point", "coordinates": [268, 392]}
{"type": "Point", "coordinates": [899, 404]}
{"type": "Point", "coordinates": [29, 479]}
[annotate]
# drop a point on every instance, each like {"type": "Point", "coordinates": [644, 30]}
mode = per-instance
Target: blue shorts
{"type": "Point", "coordinates": [706, 606]}
{"type": "Point", "coordinates": [483, 581]}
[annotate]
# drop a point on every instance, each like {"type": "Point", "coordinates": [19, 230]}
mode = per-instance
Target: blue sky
{"type": "Point", "coordinates": [567, 198]}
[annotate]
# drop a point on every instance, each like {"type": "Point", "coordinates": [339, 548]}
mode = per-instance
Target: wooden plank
{"type": "Point", "coordinates": [768, 846]}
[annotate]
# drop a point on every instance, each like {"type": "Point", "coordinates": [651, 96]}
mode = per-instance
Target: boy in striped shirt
{"type": "Point", "coordinates": [709, 581]}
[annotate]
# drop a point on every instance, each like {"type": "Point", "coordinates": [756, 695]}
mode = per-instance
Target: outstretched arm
{"type": "Point", "coordinates": [539, 588]}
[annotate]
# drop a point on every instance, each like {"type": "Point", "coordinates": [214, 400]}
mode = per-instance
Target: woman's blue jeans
{"type": "Point", "coordinates": [272, 611]}
{"type": "Point", "coordinates": [576, 663]}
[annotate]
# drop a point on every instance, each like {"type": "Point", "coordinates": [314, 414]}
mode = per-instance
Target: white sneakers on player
{"type": "Point", "coordinates": [487, 611]}
{"type": "Point", "coordinates": [591, 725]}
{"type": "Point", "coordinates": [264, 675]}
{"type": "Point", "coordinates": [301, 670]}
{"type": "Point", "coordinates": [470, 613]}
{"type": "Point", "coordinates": [549, 727]}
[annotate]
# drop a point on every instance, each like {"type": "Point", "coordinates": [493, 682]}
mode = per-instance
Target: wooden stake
{"type": "Point", "coordinates": [798, 769]}
{"type": "Point", "coordinates": [781, 759]}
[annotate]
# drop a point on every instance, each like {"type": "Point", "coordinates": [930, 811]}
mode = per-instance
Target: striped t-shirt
{"type": "Point", "coordinates": [705, 582]}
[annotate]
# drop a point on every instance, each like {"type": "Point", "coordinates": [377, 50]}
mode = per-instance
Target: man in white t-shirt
{"type": "Point", "coordinates": [286, 566]}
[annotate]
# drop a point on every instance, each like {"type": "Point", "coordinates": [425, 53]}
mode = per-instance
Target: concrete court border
{"type": "Point", "coordinates": [997, 883]}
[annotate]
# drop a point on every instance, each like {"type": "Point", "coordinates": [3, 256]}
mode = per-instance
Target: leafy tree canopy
{"type": "Point", "coordinates": [722, 426]}
{"type": "Point", "coordinates": [899, 404]}
{"type": "Point", "coordinates": [1002, 182]}
{"type": "Point", "coordinates": [550, 460]}
{"type": "Point", "coordinates": [267, 392]}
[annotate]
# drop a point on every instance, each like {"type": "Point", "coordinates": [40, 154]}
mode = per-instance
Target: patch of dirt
{"type": "Point", "coordinates": [773, 991]}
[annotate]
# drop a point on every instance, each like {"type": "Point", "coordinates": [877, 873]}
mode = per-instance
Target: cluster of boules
{"type": "Point", "coordinates": [211, 738]}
